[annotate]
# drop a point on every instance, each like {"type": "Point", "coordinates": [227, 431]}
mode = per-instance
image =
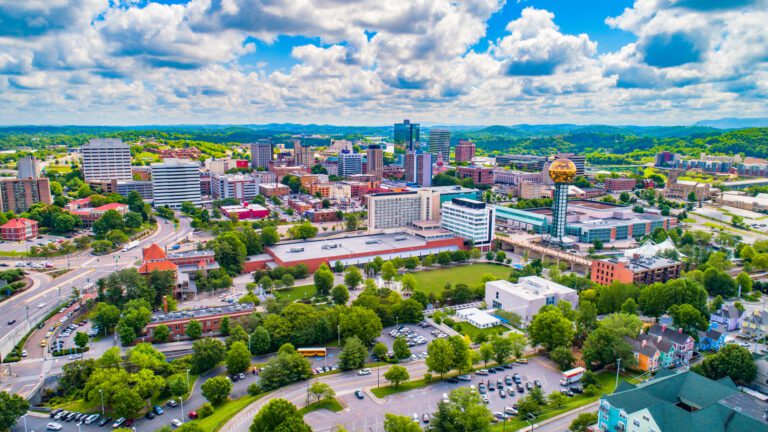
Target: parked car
{"type": "Point", "coordinates": [54, 426]}
{"type": "Point", "coordinates": [362, 372]}
{"type": "Point", "coordinates": [577, 389]}
{"type": "Point", "coordinates": [104, 421]}
{"type": "Point", "coordinates": [176, 423]}
{"type": "Point", "coordinates": [149, 415]}
{"type": "Point", "coordinates": [482, 372]}
{"type": "Point", "coordinates": [53, 413]}
{"type": "Point", "coordinates": [485, 399]}
{"type": "Point", "coordinates": [464, 378]}
{"type": "Point", "coordinates": [119, 422]}
{"type": "Point", "coordinates": [172, 403]}
{"type": "Point", "coordinates": [91, 418]}
{"type": "Point", "coordinates": [537, 383]}
{"type": "Point", "coordinates": [193, 415]}
{"type": "Point", "coordinates": [158, 410]}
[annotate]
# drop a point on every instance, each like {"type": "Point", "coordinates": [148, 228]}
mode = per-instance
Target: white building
{"type": "Point", "coordinates": [106, 159]}
{"type": "Point", "coordinates": [238, 186]}
{"type": "Point", "coordinates": [478, 318]}
{"type": "Point", "coordinates": [396, 210]}
{"type": "Point", "coordinates": [527, 296]}
{"type": "Point", "coordinates": [28, 167]}
{"type": "Point", "coordinates": [470, 219]}
{"type": "Point", "coordinates": [350, 163]}
{"type": "Point", "coordinates": [175, 181]}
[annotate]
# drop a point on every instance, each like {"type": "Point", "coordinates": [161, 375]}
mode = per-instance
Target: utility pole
{"type": "Point", "coordinates": [618, 368]}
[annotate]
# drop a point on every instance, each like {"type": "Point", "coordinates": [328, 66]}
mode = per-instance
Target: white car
{"type": "Point", "coordinates": [176, 423]}
{"type": "Point", "coordinates": [53, 426]}
{"type": "Point", "coordinates": [365, 371]}
{"type": "Point", "coordinates": [40, 305]}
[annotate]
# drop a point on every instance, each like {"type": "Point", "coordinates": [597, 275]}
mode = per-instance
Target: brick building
{"type": "Point", "coordinates": [270, 190]}
{"type": "Point", "coordinates": [19, 229]}
{"type": "Point", "coordinates": [209, 318]}
{"type": "Point", "coordinates": [464, 151]}
{"type": "Point", "coordinates": [620, 184]}
{"type": "Point", "coordinates": [479, 175]}
{"type": "Point", "coordinates": [635, 270]}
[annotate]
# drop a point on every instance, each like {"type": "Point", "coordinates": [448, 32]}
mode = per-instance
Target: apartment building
{"type": "Point", "coordinates": [391, 210]}
{"type": "Point", "coordinates": [261, 153]}
{"type": "Point", "coordinates": [106, 159]}
{"type": "Point", "coordinates": [635, 270]}
{"type": "Point", "coordinates": [28, 167]}
{"type": "Point", "coordinates": [350, 163]}
{"type": "Point", "coordinates": [18, 195]}
{"type": "Point", "coordinates": [175, 181]}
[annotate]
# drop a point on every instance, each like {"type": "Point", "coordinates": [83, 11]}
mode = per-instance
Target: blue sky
{"type": "Point", "coordinates": [376, 61]}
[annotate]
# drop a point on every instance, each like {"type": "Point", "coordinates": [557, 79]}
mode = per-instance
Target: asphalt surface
{"type": "Point", "coordinates": [23, 376]}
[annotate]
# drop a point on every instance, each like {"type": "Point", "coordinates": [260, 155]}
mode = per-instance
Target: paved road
{"type": "Point", "coordinates": [87, 269]}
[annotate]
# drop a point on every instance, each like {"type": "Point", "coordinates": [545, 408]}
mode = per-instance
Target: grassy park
{"type": "Point", "coordinates": [433, 281]}
{"type": "Point", "coordinates": [296, 293]}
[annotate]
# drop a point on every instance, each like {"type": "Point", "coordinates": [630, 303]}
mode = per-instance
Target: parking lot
{"type": "Point", "coordinates": [418, 337]}
{"type": "Point", "coordinates": [14, 246]}
{"type": "Point", "coordinates": [368, 414]}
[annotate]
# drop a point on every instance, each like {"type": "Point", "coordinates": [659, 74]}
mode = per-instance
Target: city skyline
{"type": "Point", "coordinates": [478, 62]}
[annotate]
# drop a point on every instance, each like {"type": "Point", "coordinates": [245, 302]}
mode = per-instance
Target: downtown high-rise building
{"type": "Point", "coordinates": [18, 195]}
{"type": "Point", "coordinates": [28, 167]}
{"type": "Point", "coordinates": [106, 159]}
{"type": "Point", "coordinates": [350, 163]}
{"type": "Point", "coordinates": [418, 168]}
{"type": "Point", "coordinates": [407, 134]}
{"type": "Point", "coordinates": [464, 151]}
{"type": "Point", "coordinates": [375, 160]}
{"type": "Point", "coordinates": [440, 143]}
{"type": "Point", "coordinates": [175, 181]}
{"type": "Point", "coordinates": [303, 154]}
{"type": "Point", "coordinates": [261, 154]}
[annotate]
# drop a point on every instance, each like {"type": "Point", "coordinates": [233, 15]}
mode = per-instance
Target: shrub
{"type": "Point", "coordinates": [205, 410]}
{"type": "Point", "coordinates": [254, 389]}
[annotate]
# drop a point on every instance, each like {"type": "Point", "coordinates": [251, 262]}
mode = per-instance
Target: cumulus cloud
{"type": "Point", "coordinates": [371, 61]}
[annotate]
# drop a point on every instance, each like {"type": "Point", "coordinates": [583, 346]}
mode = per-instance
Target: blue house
{"type": "Point", "coordinates": [712, 339]}
{"type": "Point", "coordinates": [727, 317]}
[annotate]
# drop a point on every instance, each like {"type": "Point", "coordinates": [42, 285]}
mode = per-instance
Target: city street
{"type": "Point", "coordinates": [25, 374]}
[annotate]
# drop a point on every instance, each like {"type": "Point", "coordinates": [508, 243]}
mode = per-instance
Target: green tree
{"type": "Point", "coordinates": [224, 327]}
{"type": "Point", "coordinates": [178, 386]}
{"type": "Point", "coordinates": [260, 341]}
{"type": "Point", "coordinates": [401, 349]}
{"type": "Point", "coordinates": [144, 356]}
{"type": "Point", "coordinates": [132, 220]}
{"type": "Point", "coordinates": [551, 329]}
{"type": "Point", "coordinates": [238, 358]}
{"type": "Point", "coordinates": [582, 422]}
{"type": "Point", "coordinates": [352, 277]}
{"type": "Point", "coordinates": [110, 220]}
{"type": "Point", "coordinates": [353, 355]}
{"type": "Point", "coordinates": [126, 402]}
{"type": "Point", "coordinates": [105, 316]}
{"type": "Point", "coordinates": [303, 230]}
{"type": "Point", "coordinates": [440, 356]}
{"type": "Point", "coordinates": [206, 354]}
{"type": "Point", "coordinates": [744, 281]}
{"type": "Point", "coordinates": [556, 399]}
{"type": "Point", "coordinates": [486, 352]}
{"type": "Point", "coordinates": [689, 319]}
{"type": "Point", "coordinates": [388, 271]}
{"type": "Point", "coordinates": [323, 280]}
{"type": "Point", "coordinates": [563, 357]}
{"type": "Point", "coordinates": [340, 295]}
{"type": "Point", "coordinates": [279, 415]}
{"type": "Point", "coordinates": [216, 389]}
{"type": "Point", "coordinates": [398, 423]}
{"type": "Point", "coordinates": [161, 333]}
{"type": "Point", "coordinates": [502, 349]}
{"type": "Point", "coordinates": [194, 329]}
{"type": "Point", "coordinates": [229, 251]}
{"type": "Point", "coordinates": [352, 222]}
{"type": "Point", "coordinates": [237, 334]}
{"type": "Point", "coordinates": [380, 350]}
{"type": "Point", "coordinates": [629, 307]}
{"type": "Point", "coordinates": [732, 361]}
{"type": "Point", "coordinates": [408, 283]}
{"type": "Point", "coordinates": [11, 408]}
{"type": "Point", "coordinates": [464, 412]}
{"type": "Point", "coordinates": [397, 375]}
{"type": "Point", "coordinates": [320, 390]}
{"type": "Point", "coordinates": [269, 236]}
{"type": "Point", "coordinates": [288, 367]}
{"type": "Point", "coordinates": [361, 322]}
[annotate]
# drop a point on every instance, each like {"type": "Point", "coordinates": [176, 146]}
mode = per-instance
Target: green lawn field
{"type": "Point", "coordinates": [433, 281]}
{"type": "Point", "coordinates": [296, 293]}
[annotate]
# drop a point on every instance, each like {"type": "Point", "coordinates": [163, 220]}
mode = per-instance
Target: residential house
{"type": "Point", "coordinates": [760, 383]}
{"type": "Point", "coordinates": [713, 339]}
{"type": "Point", "coordinates": [726, 317]}
{"type": "Point", "coordinates": [682, 342]}
{"type": "Point", "coordinates": [754, 324]}
{"type": "Point", "coordinates": [681, 401]}
{"type": "Point", "coordinates": [665, 346]}
{"type": "Point", "coordinates": [646, 354]}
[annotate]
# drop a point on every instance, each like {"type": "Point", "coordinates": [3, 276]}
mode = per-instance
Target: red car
{"type": "Point", "coordinates": [193, 415]}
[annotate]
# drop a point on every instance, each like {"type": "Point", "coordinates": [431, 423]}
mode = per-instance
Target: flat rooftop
{"type": "Point", "coordinates": [641, 264]}
{"type": "Point", "coordinates": [597, 205]}
{"type": "Point", "coordinates": [531, 287]}
{"type": "Point", "coordinates": [358, 245]}
{"type": "Point", "coordinates": [190, 253]}
{"type": "Point", "coordinates": [201, 313]}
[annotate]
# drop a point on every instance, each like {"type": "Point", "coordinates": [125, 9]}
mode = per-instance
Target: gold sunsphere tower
{"type": "Point", "coordinates": [562, 172]}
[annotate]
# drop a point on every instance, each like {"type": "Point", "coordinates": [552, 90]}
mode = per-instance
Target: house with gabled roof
{"type": "Point", "coordinates": [682, 342]}
{"type": "Point", "coordinates": [665, 346]}
{"type": "Point", "coordinates": [681, 401]}
{"type": "Point", "coordinates": [646, 354]}
{"type": "Point", "coordinates": [726, 317]}
{"type": "Point", "coordinates": [183, 264]}
{"type": "Point", "coordinates": [713, 339]}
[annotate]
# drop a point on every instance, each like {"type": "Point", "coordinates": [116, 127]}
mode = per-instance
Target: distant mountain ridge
{"type": "Point", "coordinates": [734, 123]}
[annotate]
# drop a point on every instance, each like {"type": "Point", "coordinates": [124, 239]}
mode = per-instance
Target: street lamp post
{"type": "Point", "coordinates": [26, 309]}
{"type": "Point", "coordinates": [181, 400]}
{"type": "Point", "coordinates": [187, 379]}
{"type": "Point", "coordinates": [25, 422]}
{"type": "Point", "coordinates": [101, 393]}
